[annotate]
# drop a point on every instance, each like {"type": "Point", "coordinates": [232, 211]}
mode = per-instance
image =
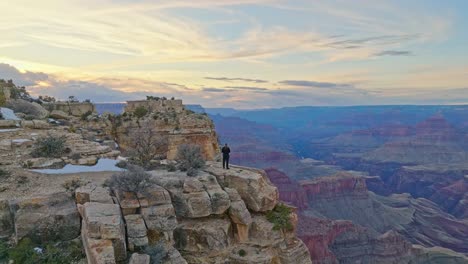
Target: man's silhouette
{"type": "Point", "coordinates": [226, 150]}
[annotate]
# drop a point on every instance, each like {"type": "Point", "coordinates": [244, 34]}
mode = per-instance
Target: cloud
{"type": "Point", "coordinates": [303, 83]}
{"type": "Point", "coordinates": [247, 88]}
{"type": "Point", "coordinates": [214, 90]}
{"type": "Point", "coordinates": [226, 79]}
{"type": "Point", "coordinates": [394, 53]}
{"type": "Point", "coordinates": [26, 78]}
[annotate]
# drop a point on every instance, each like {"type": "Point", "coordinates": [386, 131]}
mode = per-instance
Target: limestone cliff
{"type": "Point", "coordinates": [216, 217]}
{"type": "Point", "coordinates": [165, 117]}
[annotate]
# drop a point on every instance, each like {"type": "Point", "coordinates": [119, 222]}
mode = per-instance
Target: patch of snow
{"type": "Point", "coordinates": [101, 165]}
{"type": "Point", "coordinates": [8, 114]}
{"type": "Point", "coordinates": [9, 130]}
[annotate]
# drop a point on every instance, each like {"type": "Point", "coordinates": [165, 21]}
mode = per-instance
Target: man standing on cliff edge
{"type": "Point", "coordinates": [226, 150]}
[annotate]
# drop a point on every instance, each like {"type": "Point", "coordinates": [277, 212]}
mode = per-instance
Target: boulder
{"type": "Point", "coordinates": [8, 123]}
{"type": "Point", "coordinates": [92, 193]}
{"type": "Point", "coordinates": [98, 251]}
{"type": "Point", "coordinates": [192, 185]}
{"type": "Point", "coordinates": [136, 231]}
{"type": "Point", "coordinates": [252, 185]}
{"type": "Point", "coordinates": [239, 214]}
{"type": "Point", "coordinates": [294, 251]}
{"type": "Point", "coordinates": [261, 232]}
{"type": "Point", "coordinates": [159, 218]}
{"type": "Point", "coordinates": [58, 114]}
{"type": "Point", "coordinates": [139, 259]}
{"type": "Point", "coordinates": [44, 163]}
{"type": "Point", "coordinates": [34, 124]}
{"type": "Point", "coordinates": [219, 201]}
{"type": "Point", "coordinates": [47, 218]}
{"type": "Point", "coordinates": [154, 195]}
{"type": "Point", "coordinates": [128, 202]}
{"type": "Point", "coordinates": [104, 222]}
{"type": "Point", "coordinates": [203, 235]}
{"type": "Point", "coordinates": [88, 161]}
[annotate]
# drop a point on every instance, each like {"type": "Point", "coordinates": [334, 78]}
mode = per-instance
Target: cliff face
{"type": "Point", "coordinates": [343, 223]}
{"type": "Point", "coordinates": [179, 125]}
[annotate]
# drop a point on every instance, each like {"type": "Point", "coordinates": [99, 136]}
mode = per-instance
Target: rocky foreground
{"type": "Point", "coordinates": [216, 217]}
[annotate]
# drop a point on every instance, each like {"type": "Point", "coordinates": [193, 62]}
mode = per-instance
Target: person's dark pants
{"type": "Point", "coordinates": [225, 162]}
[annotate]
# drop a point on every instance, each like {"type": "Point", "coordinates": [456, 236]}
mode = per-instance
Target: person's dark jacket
{"type": "Point", "coordinates": [226, 150]}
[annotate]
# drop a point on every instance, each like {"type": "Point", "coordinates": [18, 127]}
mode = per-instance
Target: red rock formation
{"type": "Point", "coordinates": [318, 234]}
{"type": "Point", "coordinates": [290, 191]}
{"type": "Point", "coordinates": [338, 185]}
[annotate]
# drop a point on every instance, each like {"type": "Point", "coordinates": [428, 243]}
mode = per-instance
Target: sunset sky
{"type": "Point", "coordinates": [239, 53]}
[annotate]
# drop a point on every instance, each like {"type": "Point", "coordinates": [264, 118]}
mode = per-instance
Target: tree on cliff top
{"type": "Point", "coordinates": [146, 144]}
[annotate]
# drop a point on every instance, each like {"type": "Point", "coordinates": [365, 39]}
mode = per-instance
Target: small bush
{"type": "Point", "coordinates": [156, 252]}
{"type": "Point", "coordinates": [49, 147]}
{"type": "Point", "coordinates": [84, 116]}
{"type": "Point", "coordinates": [135, 179]}
{"type": "Point", "coordinates": [122, 164]}
{"type": "Point", "coordinates": [72, 185]}
{"type": "Point", "coordinates": [190, 159]}
{"type": "Point", "coordinates": [280, 216]}
{"type": "Point", "coordinates": [242, 253]}
{"type": "Point", "coordinates": [140, 112]}
{"type": "Point", "coordinates": [171, 167]}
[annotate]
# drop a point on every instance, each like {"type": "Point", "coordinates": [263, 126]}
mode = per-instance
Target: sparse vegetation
{"type": "Point", "coordinates": [190, 159]}
{"type": "Point", "coordinates": [134, 179]}
{"type": "Point", "coordinates": [171, 167]}
{"type": "Point", "coordinates": [84, 116]}
{"type": "Point", "coordinates": [28, 252]}
{"type": "Point", "coordinates": [280, 216]}
{"type": "Point", "coordinates": [140, 112]}
{"type": "Point", "coordinates": [47, 99]}
{"type": "Point", "coordinates": [72, 184]}
{"type": "Point", "coordinates": [147, 145]}
{"type": "Point", "coordinates": [72, 99]}
{"type": "Point", "coordinates": [49, 147]}
{"type": "Point", "coordinates": [154, 98]}
{"type": "Point", "coordinates": [122, 164]}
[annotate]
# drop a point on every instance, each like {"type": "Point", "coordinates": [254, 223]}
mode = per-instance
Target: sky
{"type": "Point", "coordinates": [239, 53]}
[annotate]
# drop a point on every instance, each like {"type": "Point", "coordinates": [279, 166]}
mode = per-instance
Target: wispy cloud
{"type": "Point", "coordinates": [226, 79]}
{"type": "Point", "coordinates": [394, 53]}
{"type": "Point", "coordinates": [315, 84]}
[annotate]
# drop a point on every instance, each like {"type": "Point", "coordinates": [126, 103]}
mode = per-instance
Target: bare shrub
{"type": "Point", "coordinates": [134, 179]}
{"type": "Point", "coordinates": [146, 144]}
{"type": "Point", "coordinates": [49, 147]}
{"type": "Point", "coordinates": [73, 184]}
{"type": "Point", "coordinates": [190, 159]}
